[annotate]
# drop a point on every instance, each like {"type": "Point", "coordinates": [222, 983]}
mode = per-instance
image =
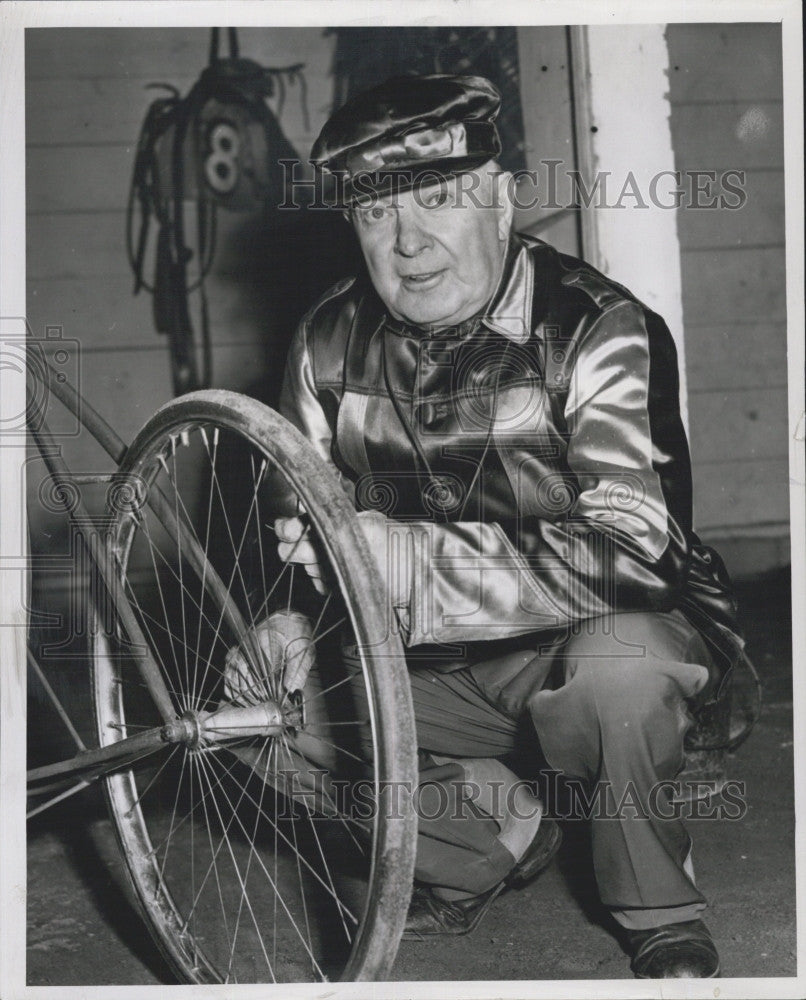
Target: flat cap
{"type": "Point", "coordinates": [409, 128]}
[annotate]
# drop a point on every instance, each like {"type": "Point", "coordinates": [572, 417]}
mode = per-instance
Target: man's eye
{"type": "Point", "coordinates": [372, 213]}
{"type": "Point", "coordinates": [436, 198]}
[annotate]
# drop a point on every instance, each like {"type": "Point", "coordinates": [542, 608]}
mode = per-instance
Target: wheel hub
{"type": "Point", "coordinates": [229, 722]}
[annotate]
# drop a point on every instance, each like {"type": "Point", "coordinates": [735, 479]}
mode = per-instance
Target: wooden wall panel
{"type": "Point", "coordinates": [59, 115]}
{"type": "Point", "coordinates": [69, 179]}
{"type": "Point", "coordinates": [739, 134]}
{"type": "Point", "coordinates": [739, 496]}
{"type": "Point", "coordinates": [126, 387]}
{"type": "Point", "coordinates": [726, 96]}
{"type": "Point", "coordinates": [721, 286]}
{"type": "Point", "coordinates": [745, 424]}
{"type": "Point", "coordinates": [739, 355]}
{"type": "Point", "coordinates": [724, 62]}
{"type": "Point", "coordinates": [162, 53]}
{"type": "Point", "coordinates": [61, 111]}
{"type": "Point", "coordinates": [758, 222]}
{"type": "Point", "coordinates": [548, 134]}
{"type": "Point", "coordinates": [103, 314]}
{"type": "Point", "coordinates": [560, 230]}
{"type": "Point", "coordinates": [76, 245]}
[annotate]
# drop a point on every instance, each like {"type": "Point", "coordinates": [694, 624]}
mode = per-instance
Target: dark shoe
{"type": "Point", "coordinates": [429, 914]}
{"type": "Point", "coordinates": [674, 951]}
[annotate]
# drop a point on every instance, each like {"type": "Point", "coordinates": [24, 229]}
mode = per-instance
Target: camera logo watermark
{"type": "Point", "coordinates": [41, 361]}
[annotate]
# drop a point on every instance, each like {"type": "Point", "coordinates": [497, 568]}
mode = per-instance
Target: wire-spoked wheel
{"type": "Point", "coordinates": [271, 837]}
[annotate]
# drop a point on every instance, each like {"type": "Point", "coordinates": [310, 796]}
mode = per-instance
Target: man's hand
{"type": "Point", "coordinates": [286, 639]}
{"type": "Point", "coordinates": [295, 546]}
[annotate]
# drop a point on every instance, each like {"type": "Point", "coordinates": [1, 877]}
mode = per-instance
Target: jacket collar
{"type": "Point", "coordinates": [510, 312]}
{"type": "Point", "coordinates": [510, 309]}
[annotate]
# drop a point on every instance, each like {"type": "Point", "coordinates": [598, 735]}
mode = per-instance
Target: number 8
{"type": "Point", "coordinates": [221, 166]}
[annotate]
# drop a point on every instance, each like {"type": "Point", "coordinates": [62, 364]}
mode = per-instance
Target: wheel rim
{"type": "Point", "coordinates": [226, 836]}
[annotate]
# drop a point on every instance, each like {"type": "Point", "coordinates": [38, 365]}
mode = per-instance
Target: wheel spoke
{"type": "Point", "coordinates": [154, 779]}
{"type": "Point", "coordinates": [171, 635]}
{"type": "Point", "coordinates": [33, 663]}
{"type": "Point", "coordinates": [322, 855]}
{"type": "Point", "coordinates": [154, 646]}
{"type": "Point", "coordinates": [58, 798]}
{"type": "Point", "coordinates": [246, 856]}
{"type": "Point", "coordinates": [279, 833]}
{"type": "Point", "coordinates": [206, 547]}
{"type": "Point", "coordinates": [248, 866]}
{"type": "Point", "coordinates": [244, 894]}
{"type": "Point", "coordinates": [185, 819]}
{"type": "Point", "coordinates": [214, 851]}
{"type": "Point", "coordinates": [236, 552]}
{"type": "Point", "coordinates": [202, 617]}
{"type": "Point", "coordinates": [171, 826]}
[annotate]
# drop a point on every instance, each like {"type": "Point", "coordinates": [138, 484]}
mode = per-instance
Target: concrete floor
{"type": "Point", "coordinates": [82, 930]}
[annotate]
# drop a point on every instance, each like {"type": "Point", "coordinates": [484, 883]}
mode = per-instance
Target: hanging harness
{"type": "Point", "coordinates": [218, 146]}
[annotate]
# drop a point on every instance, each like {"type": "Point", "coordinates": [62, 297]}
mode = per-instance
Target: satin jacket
{"type": "Point", "coordinates": [535, 454]}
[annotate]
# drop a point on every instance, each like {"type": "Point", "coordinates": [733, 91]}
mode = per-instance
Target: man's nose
{"type": "Point", "coordinates": [411, 238]}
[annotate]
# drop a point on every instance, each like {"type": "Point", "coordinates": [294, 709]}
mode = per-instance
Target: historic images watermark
{"type": "Point", "coordinates": [553, 187]}
{"type": "Point", "coordinates": [363, 800]}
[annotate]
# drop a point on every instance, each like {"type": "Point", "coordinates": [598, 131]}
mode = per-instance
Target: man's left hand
{"type": "Point", "coordinates": [295, 546]}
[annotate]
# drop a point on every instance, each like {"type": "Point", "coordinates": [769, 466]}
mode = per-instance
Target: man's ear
{"type": "Point", "coordinates": [505, 184]}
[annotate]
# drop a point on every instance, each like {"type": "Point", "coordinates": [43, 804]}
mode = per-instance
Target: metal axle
{"type": "Point", "coordinates": [227, 723]}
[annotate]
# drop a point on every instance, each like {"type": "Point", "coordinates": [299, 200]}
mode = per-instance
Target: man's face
{"type": "Point", "coordinates": [435, 254]}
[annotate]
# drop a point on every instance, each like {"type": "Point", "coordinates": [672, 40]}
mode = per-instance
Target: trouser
{"type": "Point", "coordinates": [608, 704]}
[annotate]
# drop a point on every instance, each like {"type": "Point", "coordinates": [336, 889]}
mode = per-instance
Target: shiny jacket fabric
{"type": "Point", "coordinates": [535, 455]}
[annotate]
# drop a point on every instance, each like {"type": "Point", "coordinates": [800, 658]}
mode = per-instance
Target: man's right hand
{"type": "Point", "coordinates": [286, 639]}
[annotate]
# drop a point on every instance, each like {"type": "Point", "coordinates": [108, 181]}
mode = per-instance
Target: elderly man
{"type": "Point", "coordinates": [515, 415]}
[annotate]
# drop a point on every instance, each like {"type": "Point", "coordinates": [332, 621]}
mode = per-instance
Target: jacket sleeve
{"type": "Point", "coordinates": [298, 399]}
{"type": "Point", "coordinates": [613, 546]}
{"type": "Point", "coordinates": [300, 405]}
